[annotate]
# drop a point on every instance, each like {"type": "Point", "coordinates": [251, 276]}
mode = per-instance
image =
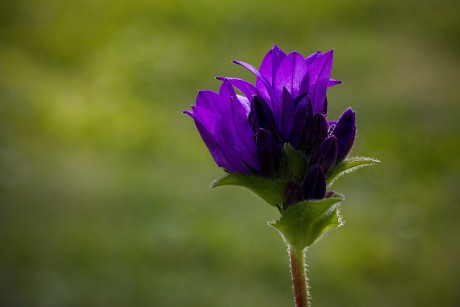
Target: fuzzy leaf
{"type": "Point", "coordinates": [304, 223]}
{"type": "Point", "coordinates": [347, 166]}
{"type": "Point", "coordinates": [272, 191]}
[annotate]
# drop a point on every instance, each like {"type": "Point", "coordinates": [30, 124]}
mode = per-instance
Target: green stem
{"type": "Point", "coordinates": [299, 277]}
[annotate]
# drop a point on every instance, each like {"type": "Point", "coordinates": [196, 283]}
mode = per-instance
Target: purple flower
{"type": "Point", "coordinates": [247, 133]}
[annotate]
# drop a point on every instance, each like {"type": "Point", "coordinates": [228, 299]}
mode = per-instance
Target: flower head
{"type": "Point", "coordinates": [249, 132]}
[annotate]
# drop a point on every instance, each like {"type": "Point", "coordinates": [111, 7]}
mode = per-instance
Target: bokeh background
{"type": "Point", "coordinates": [104, 184]}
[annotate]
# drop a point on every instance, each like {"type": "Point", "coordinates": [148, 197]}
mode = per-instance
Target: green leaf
{"type": "Point", "coordinates": [294, 163]}
{"type": "Point", "coordinates": [272, 191]}
{"type": "Point", "coordinates": [304, 223]}
{"type": "Point", "coordinates": [347, 166]}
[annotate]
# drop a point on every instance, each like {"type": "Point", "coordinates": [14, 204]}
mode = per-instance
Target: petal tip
{"type": "Point", "coordinates": [188, 112]}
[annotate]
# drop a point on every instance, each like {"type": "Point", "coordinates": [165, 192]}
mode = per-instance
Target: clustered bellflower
{"type": "Point", "coordinates": [275, 138]}
{"type": "Point", "coordinates": [287, 105]}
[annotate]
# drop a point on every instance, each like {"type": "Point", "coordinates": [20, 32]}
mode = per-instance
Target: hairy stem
{"type": "Point", "coordinates": [299, 277]}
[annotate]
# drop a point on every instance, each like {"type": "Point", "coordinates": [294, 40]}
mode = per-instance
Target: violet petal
{"type": "Point", "coordinates": [305, 84]}
{"type": "Point", "coordinates": [235, 130]}
{"type": "Point", "coordinates": [244, 132]}
{"type": "Point", "coordinates": [206, 123]}
{"type": "Point", "coordinates": [319, 73]}
{"type": "Point", "coordinates": [208, 100]}
{"type": "Point", "coordinates": [290, 74]}
{"type": "Point", "coordinates": [226, 91]}
{"type": "Point", "coordinates": [245, 87]}
{"type": "Point", "coordinates": [333, 82]}
{"type": "Point", "coordinates": [268, 69]}
{"type": "Point", "coordinates": [311, 58]}
{"type": "Point", "coordinates": [264, 81]}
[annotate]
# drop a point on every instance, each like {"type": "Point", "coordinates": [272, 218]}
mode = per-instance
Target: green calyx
{"type": "Point", "coordinates": [303, 223]}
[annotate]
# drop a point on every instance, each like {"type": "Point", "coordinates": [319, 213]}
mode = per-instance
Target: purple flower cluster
{"type": "Point", "coordinates": [288, 104]}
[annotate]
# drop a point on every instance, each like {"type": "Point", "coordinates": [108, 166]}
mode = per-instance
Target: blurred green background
{"type": "Point", "coordinates": [104, 184]}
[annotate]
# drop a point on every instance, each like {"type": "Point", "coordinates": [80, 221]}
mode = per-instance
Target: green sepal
{"type": "Point", "coordinates": [305, 222]}
{"type": "Point", "coordinates": [272, 191]}
{"type": "Point", "coordinates": [294, 165]}
{"type": "Point", "coordinates": [347, 166]}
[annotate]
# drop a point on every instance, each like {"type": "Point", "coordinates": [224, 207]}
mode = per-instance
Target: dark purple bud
{"type": "Point", "coordinates": [261, 116]}
{"type": "Point", "coordinates": [287, 114]}
{"type": "Point", "coordinates": [331, 125]}
{"type": "Point", "coordinates": [326, 154]}
{"type": "Point", "coordinates": [293, 195]}
{"type": "Point", "coordinates": [345, 132]}
{"type": "Point", "coordinates": [314, 186]}
{"type": "Point", "coordinates": [314, 134]}
{"type": "Point", "coordinates": [302, 117]}
{"type": "Point", "coordinates": [329, 194]}
{"type": "Point", "coordinates": [324, 107]}
{"type": "Point", "coordinates": [268, 152]}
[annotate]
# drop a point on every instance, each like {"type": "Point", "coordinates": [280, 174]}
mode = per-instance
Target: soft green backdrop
{"type": "Point", "coordinates": [104, 184]}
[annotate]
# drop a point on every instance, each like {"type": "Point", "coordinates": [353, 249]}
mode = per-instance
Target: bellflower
{"type": "Point", "coordinates": [274, 137]}
{"type": "Point", "coordinates": [287, 105]}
